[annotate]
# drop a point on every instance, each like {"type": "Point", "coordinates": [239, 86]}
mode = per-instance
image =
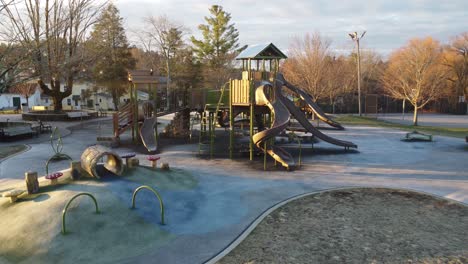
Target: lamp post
{"type": "Point", "coordinates": [354, 36]}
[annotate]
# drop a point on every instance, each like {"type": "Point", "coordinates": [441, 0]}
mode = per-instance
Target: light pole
{"type": "Point", "coordinates": [354, 36]}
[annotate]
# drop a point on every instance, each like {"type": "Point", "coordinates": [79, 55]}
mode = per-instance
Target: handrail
{"type": "Point", "coordinates": [64, 211]}
{"type": "Point", "coordinates": [161, 205]}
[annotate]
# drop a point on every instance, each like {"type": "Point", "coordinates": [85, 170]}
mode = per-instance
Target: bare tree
{"type": "Point", "coordinates": [415, 73]}
{"type": "Point", "coordinates": [25, 89]}
{"type": "Point", "coordinates": [456, 61]}
{"type": "Point", "coordinates": [308, 62]}
{"type": "Point", "coordinates": [53, 30]}
{"type": "Point", "coordinates": [371, 64]}
{"type": "Point", "coordinates": [165, 36]}
{"type": "Point", "coordinates": [340, 79]}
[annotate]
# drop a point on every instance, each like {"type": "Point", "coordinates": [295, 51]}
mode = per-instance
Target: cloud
{"type": "Point", "coordinates": [389, 24]}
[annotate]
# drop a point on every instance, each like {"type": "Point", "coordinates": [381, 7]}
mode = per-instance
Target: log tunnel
{"type": "Point", "coordinates": [94, 155]}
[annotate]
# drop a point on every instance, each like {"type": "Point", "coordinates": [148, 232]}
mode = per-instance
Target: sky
{"type": "Point", "coordinates": [389, 24]}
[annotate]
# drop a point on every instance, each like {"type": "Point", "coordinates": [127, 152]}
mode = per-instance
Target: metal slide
{"type": "Point", "coordinates": [280, 122]}
{"type": "Point", "coordinates": [147, 133]}
{"type": "Point", "coordinates": [308, 99]}
{"type": "Point", "coordinates": [297, 113]}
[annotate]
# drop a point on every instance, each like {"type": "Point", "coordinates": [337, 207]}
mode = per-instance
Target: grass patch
{"type": "Point", "coordinates": [10, 150]}
{"type": "Point", "coordinates": [369, 121]}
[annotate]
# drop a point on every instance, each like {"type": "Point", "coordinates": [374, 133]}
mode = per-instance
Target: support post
{"type": "Point", "coordinates": [132, 101]}
{"type": "Point", "coordinates": [211, 132]}
{"type": "Point", "coordinates": [135, 113]}
{"type": "Point", "coordinates": [231, 121]}
{"type": "Point", "coordinates": [252, 102]}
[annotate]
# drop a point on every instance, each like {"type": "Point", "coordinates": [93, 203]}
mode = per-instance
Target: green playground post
{"type": "Point", "coordinates": [252, 102]}
{"type": "Point", "coordinates": [231, 121]}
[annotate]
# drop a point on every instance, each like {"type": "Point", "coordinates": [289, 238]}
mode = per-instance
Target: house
{"type": "Point", "coordinates": [83, 96]}
{"type": "Point", "coordinates": [14, 100]}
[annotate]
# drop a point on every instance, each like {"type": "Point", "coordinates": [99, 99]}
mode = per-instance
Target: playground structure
{"type": "Point", "coordinates": [259, 96]}
{"type": "Point", "coordinates": [134, 113]}
{"type": "Point", "coordinates": [141, 116]}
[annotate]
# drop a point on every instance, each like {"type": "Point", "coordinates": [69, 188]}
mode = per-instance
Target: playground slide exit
{"type": "Point", "coordinates": [280, 122]}
{"type": "Point", "coordinates": [147, 133]}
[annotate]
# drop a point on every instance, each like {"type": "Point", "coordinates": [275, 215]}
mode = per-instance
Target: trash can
{"type": "Point", "coordinates": [24, 108]}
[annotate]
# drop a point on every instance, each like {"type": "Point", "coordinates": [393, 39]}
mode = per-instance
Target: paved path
{"type": "Point", "coordinates": [429, 119]}
{"type": "Point", "coordinates": [231, 194]}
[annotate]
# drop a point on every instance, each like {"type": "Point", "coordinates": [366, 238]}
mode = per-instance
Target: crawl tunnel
{"type": "Point", "coordinates": [97, 155]}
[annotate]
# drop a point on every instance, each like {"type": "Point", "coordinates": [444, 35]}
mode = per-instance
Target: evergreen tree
{"type": "Point", "coordinates": [219, 37]}
{"type": "Point", "coordinates": [109, 44]}
{"type": "Point", "coordinates": [218, 46]}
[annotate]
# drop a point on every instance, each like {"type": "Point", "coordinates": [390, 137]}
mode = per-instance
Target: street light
{"type": "Point", "coordinates": [354, 36]}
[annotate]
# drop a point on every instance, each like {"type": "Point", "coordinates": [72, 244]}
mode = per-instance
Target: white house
{"type": "Point", "coordinates": [12, 100]}
{"type": "Point", "coordinates": [82, 99]}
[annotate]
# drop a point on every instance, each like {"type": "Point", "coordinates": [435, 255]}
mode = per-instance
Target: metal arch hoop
{"type": "Point", "coordinates": [155, 193]}
{"type": "Point", "coordinates": [64, 212]}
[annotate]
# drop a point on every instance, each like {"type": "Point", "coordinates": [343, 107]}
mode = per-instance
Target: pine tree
{"type": "Point", "coordinates": [219, 44]}
{"type": "Point", "coordinates": [219, 37]}
{"type": "Point", "coordinates": [109, 44]}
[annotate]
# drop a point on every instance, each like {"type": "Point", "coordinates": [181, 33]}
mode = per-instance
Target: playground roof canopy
{"type": "Point", "coordinates": [261, 52]}
{"type": "Point", "coordinates": [145, 77]}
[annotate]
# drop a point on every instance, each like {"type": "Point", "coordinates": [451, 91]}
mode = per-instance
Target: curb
{"type": "Point", "coordinates": [28, 147]}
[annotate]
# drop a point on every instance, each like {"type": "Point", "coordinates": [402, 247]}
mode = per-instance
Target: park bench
{"type": "Point", "coordinates": [13, 131]}
{"type": "Point", "coordinates": [41, 127]}
{"type": "Point", "coordinates": [73, 115]}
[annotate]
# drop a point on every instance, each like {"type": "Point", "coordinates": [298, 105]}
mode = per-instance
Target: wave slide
{"type": "Point", "coordinates": [147, 133]}
{"type": "Point", "coordinates": [308, 99]}
{"type": "Point", "coordinates": [297, 113]}
{"type": "Point", "coordinates": [281, 121]}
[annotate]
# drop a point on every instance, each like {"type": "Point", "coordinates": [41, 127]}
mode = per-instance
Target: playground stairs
{"type": "Point", "coordinates": [123, 119]}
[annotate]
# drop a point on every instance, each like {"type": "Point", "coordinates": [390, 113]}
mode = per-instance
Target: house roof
{"type": "Point", "coordinates": [145, 76]}
{"type": "Point", "coordinates": [261, 52]}
{"type": "Point", "coordinates": [102, 94]}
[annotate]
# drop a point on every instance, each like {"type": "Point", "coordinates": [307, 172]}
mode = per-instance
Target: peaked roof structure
{"type": "Point", "coordinates": [145, 76]}
{"type": "Point", "coordinates": [261, 52]}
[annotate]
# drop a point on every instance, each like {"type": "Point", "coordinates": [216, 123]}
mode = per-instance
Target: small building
{"type": "Point", "coordinates": [15, 100]}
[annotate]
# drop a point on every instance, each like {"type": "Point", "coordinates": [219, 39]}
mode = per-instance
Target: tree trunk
{"type": "Point", "coordinates": [115, 100]}
{"type": "Point", "coordinates": [57, 104]}
{"type": "Point", "coordinates": [415, 116]}
{"type": "Point", "coordinates": [55, 93]}
{"type": "Point", "coordinates": [168, 101]}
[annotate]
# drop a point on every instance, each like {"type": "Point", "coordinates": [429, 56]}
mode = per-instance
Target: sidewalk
{"type": "Point", "coordinates": [429, 119]}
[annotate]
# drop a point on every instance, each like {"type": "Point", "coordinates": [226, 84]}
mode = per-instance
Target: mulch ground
{"type": "Point", "coordinates": [359, 226]}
